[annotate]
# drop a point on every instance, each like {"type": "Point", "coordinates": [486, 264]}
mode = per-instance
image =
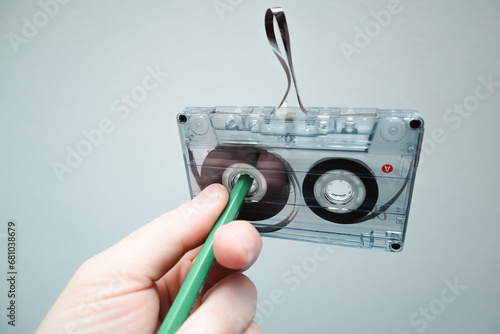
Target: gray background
{"type": "Point", "coordinates": [431, 56]}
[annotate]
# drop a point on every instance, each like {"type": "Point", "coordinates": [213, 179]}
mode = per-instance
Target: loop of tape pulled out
{"type": "Point", "coordinates": [279, 14]}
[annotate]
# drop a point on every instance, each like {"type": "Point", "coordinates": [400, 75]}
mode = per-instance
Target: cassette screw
{"type": "Point", "coordinates": [230, 122]}
{"type": "Point", "coordinates": [396, 247]}
{"type": "Point", "coordinates": [254, 126]}
{"type": "Point", "coordinates": [289, 139]}
{"type": "Point", "coordinates": [323, 126]}
{"type": "Point", "coordinates": [350, 126]}
{"type": "Point", "coordinates": [415, 123]}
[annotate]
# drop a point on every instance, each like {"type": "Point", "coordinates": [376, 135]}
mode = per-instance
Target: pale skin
{"type": "Point", "coordinates": [129, 287]}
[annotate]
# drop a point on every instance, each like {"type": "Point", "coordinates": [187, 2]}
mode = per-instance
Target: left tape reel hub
{"type": "Point", "coordinates": [270, 190]}
{"type": "Point", "coordinates": [259, 185]}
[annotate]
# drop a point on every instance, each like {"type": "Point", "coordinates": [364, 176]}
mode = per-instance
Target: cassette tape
{"type": "Point", "coordinates": [340, 176]}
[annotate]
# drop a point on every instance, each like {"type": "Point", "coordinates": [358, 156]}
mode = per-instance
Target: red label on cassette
{"type": "Point", "coordinates": [387, 168]}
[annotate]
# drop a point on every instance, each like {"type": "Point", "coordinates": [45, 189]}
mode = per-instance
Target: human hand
{"type": "Point", "coordinates": [129, 287]}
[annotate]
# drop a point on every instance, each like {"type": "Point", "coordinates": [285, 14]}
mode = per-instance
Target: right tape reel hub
{"type": "Point", "coordinates": [340, 190]}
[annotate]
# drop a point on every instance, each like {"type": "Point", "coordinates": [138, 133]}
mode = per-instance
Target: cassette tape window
{"type": "Point", "coordinates": [333, 175]}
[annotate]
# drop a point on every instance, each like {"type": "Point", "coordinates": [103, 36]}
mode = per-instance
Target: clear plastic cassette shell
{"type": "Point", "coordinates": [340, 176]}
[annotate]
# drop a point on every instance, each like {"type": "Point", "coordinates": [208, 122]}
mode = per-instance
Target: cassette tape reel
{"type": "Point", "coordinates": [333, 175]}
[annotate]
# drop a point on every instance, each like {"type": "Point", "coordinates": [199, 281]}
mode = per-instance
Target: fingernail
{"type": "Point", "coordinates": [246, 239]}
{"type": "Point", "coordinates": [208, 195]}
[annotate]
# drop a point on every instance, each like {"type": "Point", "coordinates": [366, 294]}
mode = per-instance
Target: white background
{"type": "Point", "coordinates": [65, 76]}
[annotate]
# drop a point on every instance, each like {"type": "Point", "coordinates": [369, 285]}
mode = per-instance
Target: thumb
{"type": "Point", "coordinates": [153, 249]}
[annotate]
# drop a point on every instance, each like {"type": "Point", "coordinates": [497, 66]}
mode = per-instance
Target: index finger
{"type": "Point", "coordinates": [156, 247]}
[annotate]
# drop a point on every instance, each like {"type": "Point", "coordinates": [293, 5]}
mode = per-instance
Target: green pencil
{"type": "Point", "coordinates": [188, 293]}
